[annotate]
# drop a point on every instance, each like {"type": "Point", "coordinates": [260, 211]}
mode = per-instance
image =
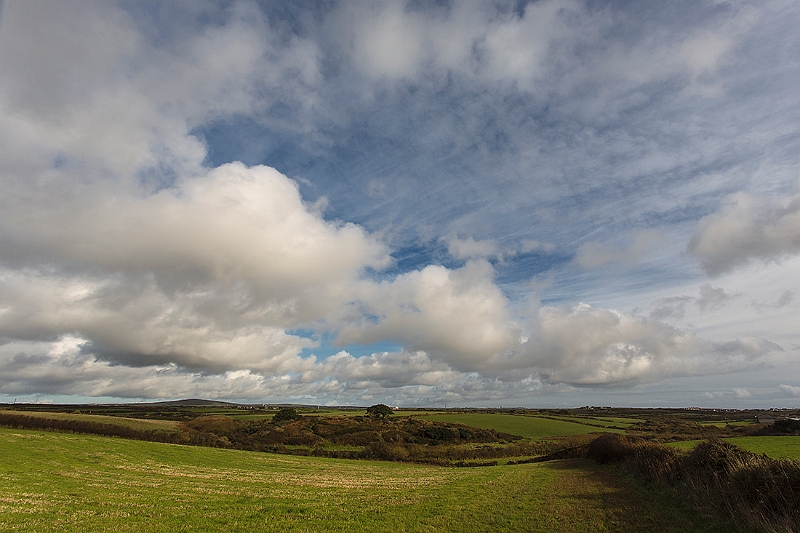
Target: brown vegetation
{"type": "Point", "coordinates": [400, 439]}
{"type": "Point", "coordinates": [20, 420]}
{"type": "Point", "coordinates": [760, 493]}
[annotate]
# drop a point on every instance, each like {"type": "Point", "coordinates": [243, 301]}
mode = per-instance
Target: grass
{"type": "Point", "coordinates": [685, 445]}
{"type": "Point", "coordinates": [66, 482]}
{"type": "Point", "coordinates": [604, 423]}
{"type": "Point", "coordinates": [619, 420]}
{"type": "Point", "coordinates": [533, 427]}
{"type": "Point", "coordinates": [777, 447]}
{"type": "Point", "coordinates": [724, 423]}
{"type": "Point", "coordinates": [244, 415]}
{"type": "Point", "coordinates": [755, 491]}
{"type": "Point", "coordinates": [138, 424]}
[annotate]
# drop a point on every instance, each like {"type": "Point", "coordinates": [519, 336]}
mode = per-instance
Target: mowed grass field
{"type": "Point", "coordinates": [532, 427]}
{"type": "Point", "coordinates": [777, 447]}
{"type": "Point", "coordinates": [67, 482]}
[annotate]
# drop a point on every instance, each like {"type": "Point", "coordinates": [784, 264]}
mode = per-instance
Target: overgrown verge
{"type": "Point", "coordinates": [19, 420]}
{"type": "Point", "coordinates": [758, 492]}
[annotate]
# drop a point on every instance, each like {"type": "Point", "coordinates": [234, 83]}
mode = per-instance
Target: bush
{"type": "Point", "coordinates": [438, 433]}
{"type": "Point", "coordinates": [612, 448]}
{"type": "Point", "coordinates": [761, 493]}
{"type": "Point", "coordinates": [287, 413]}
{"type": "Point", "coordinates": [219, 424]}
{"type": "Point", "coordinates": [385, 451]}
{"type": "Point", "coordinates": [786, 427]}
{"type": "Point", "coordinates": [379, 411]}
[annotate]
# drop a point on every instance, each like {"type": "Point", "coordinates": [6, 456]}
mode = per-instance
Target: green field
{"type": "Point", "coordinates": [604, 423]}
{"type": "Point", "coordinates": [63, 482]}
{"type": "Point", "coordinates": [619, 420]}
{"type": "Point", "coordinates": [532, 427]}
{"type": "Point", "coordinates": [724, 423]}
{"type": "Point", "coordinates": [245, 415]}
{"type": "Point", "coordinates": [138, 424]}
{"type": "Point", "coordinates": [777, 447]}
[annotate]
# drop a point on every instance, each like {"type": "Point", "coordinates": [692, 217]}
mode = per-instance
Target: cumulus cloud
{"type": "Point", "coordinates": [675, 307]}
{"type": "Point", "coordinates": [133, 265]}
{"type": "Point", "coordinates": [82, 85]}
{"type": "Point", "coordinates": [672, 307]}
{"type": "Point", "coordinates": [134, 322]}
{"type": "Point", "coordinates": [790, 390]}
{"type": "Point", "coordinates": [230, 224]}
{"type": "Point", "coordinates": [586, 345]}
{"type": "Point", "coordinates": [711, 298]}
{"type": "Point", "coordinates": [459, 316]}
{"type": "Point", "coordinates": [742, 394]}
{"type": "Point", "coordinates": [748, 227]}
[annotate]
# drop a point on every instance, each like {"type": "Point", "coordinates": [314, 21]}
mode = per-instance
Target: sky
{"type": "Point", "coordinates": [551, 203]}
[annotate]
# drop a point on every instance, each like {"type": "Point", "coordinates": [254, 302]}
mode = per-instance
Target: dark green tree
{"type": "Point", "coordinates": [287, 413]}
{"type": "Point", "coordinates": [379, 411]}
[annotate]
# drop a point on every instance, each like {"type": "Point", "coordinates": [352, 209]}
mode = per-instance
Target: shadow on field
{"type": "Point", "coordinates": [601, 499]}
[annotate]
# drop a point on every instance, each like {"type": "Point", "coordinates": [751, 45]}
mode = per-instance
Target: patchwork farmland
{"type": "Point", "coordinates": [543, 474]}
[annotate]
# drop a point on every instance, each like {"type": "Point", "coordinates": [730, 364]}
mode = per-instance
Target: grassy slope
{"type": "Point", "coordinates": [615, 423]}
{"type": "Point", "coordinates": [777, 447]}
{"type": "Point", "coordinates": [524, 426]}
{"type": "Point", "coordinates": [62, 482]}
{"type": "Point", "coordinates": [619, 420]}
{"type": "Point", "coordinates": [133, 423]}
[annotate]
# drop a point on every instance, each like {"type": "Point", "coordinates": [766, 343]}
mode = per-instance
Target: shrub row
{"type": "Point", "coordinates": [18, 420]}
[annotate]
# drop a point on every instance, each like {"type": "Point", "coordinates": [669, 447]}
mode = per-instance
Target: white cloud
{"type": "Point", "coordinates": [386, 369]}
{"type": "Point", "coordinates": [83, 84]}
{"type": "Point", "coordinates": [748, 227]}
{"type": "Point", "coordinates": [396, 40]}
{"type": "Point", "coordinates": [711, 298]}
{"type": "Point", "coordinates": [530, 245]}
{"type": "Point", "coordinates": [593, 254]}
{"type": "Point", "coordinates": [469, 248]}
{"type": "Point", "coordinates": [458, 316]}
{"type": "Point", "coordinates": [789, 390]}
{"type": "Point", "coordinates": [391, 44]}
{"type": "Point", "coordinates": [517, 48]}
{"type": "Point", "coordinates": [675, 307]}
{"type": "Point", "coordinates": [671, 307]}
{"type": "Point", "coordinates": [232, 224]}
{"type": "Point", "coordinates": [135, 322]}
{"type": "Point", "coordinates": [741, 394]}
{"type": "Point", "coordinates": [587, 345]}
{"type": "Point", "coordinates": [129, 268]}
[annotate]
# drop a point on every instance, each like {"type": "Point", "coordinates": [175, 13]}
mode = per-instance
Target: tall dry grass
{"type": "Point", "coordinates": [759, 493]}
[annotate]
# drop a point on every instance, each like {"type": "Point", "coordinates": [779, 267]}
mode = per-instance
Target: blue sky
{"type": "Point", "coordinates": [551, 203]}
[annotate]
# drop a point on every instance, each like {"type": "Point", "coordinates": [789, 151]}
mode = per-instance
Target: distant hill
{"type": "Point", "coordinates": [196, 402]}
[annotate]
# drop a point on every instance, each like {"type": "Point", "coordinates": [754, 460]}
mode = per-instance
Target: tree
{"type": "Point", "coordinates": [379, 411]}
{"type": "Point", "coordinates": [287, 413]}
